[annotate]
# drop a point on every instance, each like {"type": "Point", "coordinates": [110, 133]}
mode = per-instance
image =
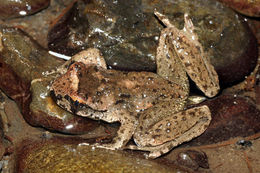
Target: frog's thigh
{"type": "Point", "coordinates": [176, 129]}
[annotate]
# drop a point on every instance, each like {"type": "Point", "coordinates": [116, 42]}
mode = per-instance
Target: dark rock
{"type": "Point", "coordinates": [11, 9]}
{"type": "Point", "coordinates": [246, 7]}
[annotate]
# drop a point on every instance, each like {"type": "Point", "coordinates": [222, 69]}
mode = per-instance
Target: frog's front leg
{"type": "Point", "coordinates": [166, 134]}
{"type": "Point", "coordinates": [128, 125]}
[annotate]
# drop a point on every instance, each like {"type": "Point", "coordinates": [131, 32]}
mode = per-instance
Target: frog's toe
{"type": "Point", "coordinates": [107, 146]}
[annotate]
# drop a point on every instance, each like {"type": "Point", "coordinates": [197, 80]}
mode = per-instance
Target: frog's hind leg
{"type": "Point", "coordinates": [174, 130]}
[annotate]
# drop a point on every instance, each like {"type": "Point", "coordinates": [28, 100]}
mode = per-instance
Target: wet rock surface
{"type": "Point", "coordinates": [19, 8]}
{"type": "Point", "coordinates": [246, 7]}
{"type": "Point", "coordinates": [79, 157]}
{"type": "Point", "coordinates": [127, 34]}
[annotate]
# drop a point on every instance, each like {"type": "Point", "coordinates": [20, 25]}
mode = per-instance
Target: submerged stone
{"type": "Point", "coordinates": [83, 158]}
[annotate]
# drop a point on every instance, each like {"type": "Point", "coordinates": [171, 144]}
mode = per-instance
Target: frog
{"type": "Point", "coordinates": [150, 107]}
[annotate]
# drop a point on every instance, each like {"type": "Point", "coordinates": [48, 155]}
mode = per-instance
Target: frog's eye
{"type": "Point", "coordinates": [76, 103]}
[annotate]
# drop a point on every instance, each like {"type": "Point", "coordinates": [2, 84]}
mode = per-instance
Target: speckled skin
{"type": "Point", "coordinates": [150, 107]}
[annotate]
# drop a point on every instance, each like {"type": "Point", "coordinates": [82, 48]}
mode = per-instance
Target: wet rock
{"type": "Point", "coordinates": [232, 116]}
{"type": "Point", "coordinates": [193, 159]}
{"type": "Point", "coordinates": [23, 61]}
{"type": "Point", "coordinates": [35, 157]}
{"type": "Point", "coordinates": [127, 34]}
{"type": "Point", "coordinates": [246, 7]}
{"type": "Point", "coordinates": [11, 9]}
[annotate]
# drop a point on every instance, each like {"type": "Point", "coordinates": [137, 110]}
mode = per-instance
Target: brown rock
{"type": "Point", "coordinates": [11, 9]}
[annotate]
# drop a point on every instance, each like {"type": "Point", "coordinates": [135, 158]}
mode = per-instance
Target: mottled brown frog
{"type": "Point", "coordinates": [149, 106]}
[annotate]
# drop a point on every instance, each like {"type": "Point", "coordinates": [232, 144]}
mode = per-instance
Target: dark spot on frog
{"type": "Point", "coordinates": [69, 99]}
{"type": "Point", "coordinates": [117, 139]}
{"type": "Point", "coordinates": [183, 119]}
{"type": "Point", "coordinates": [58, 96]}
{"type": "Point", "coordinates": [119, 101]}
{"type": "Point", "coordinates": [164, 106]}
{"type": "Point", "coordinates": [98, 93]}
{"type": "Point", "coordinates": [95, 68]}
{"type": "Point", "coordinates": [205, 87]}
{"type": "Point", "coordinates": [180, 39]}
{"type": "Point", "coordinates": [162, 95]}
{"type": "Point", "coordinates": [54, 96]}
{"type": "Point", "coordinates": [181, 57]}
{"type": "Point", "coordinates": [170, 82]}
{"type": "Point", "coordinates": [198, 49]}
{"type": "Point", "coordinates": [192, 113]}
{"type": "Point", "coordinates": [155, 90]}
{"type": "Point", "coordinates": [175, 96]}
{"type": "Point", "coordinates": [187, 64]}
{"type": "Point", "coordinates": [124, 95]}
{"type": "Point", "coordinates": [155, 136]}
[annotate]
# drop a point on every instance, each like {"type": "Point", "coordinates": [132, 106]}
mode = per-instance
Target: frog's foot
{"type": "Point", "coordinates": [118, 142]}
{"type": "Point", "coordinates": [155, 151]}
{"type": "Point", "coordinates": [172, 131]}
{"type": "Point", "coordinates": [107, 146]}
